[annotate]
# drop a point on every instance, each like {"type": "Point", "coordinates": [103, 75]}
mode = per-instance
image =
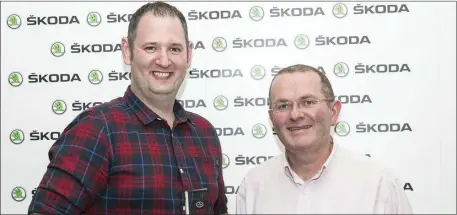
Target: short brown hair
{"type": "Point", "coordinates": [327, 89]}
{"type": "Point", "coordinates": [157, 8]}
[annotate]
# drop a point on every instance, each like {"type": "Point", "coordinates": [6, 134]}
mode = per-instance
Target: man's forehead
{"type": "Point", "coordinates": [296, 84]}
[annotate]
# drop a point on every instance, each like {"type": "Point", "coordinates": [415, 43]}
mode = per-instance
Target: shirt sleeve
{"type": "Point", "coordinates": [221, 202]}
{"type": "Point", "coordinates": [392, 198]}
{"type": "Point", "coordinates": [77, 171]}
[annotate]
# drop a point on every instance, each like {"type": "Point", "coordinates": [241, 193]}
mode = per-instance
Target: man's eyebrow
{"type": "Point", "coordinates": [307, 96]}
{"type": "Point", "coordinates": [155, 43]}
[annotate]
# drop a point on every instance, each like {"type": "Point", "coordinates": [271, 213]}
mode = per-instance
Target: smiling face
{"type": "Point", "coordinates": [160, 55]}
{"type": "Point", "coordinates": [306, 124]}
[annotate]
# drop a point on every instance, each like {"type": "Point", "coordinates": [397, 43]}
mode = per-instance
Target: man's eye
{"type": "Point", "coordinates": [150, 48]}
{"type": "Point", "coordinates": [175, 50]}
{"type": "Point", "coordinates": [282, 106]}
{"type": "Point", "coordinates": [307, 102]}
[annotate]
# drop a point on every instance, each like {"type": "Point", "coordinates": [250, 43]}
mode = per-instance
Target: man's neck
{"type": "Point", "coordinates": [162, 105]}
{"type": "Point", "coordinates": [306, 163]}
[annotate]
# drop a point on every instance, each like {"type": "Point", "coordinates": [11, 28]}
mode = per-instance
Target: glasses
{"type": "Point", "coordinates": [286, 107]}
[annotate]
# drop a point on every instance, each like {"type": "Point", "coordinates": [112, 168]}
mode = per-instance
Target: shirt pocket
{"type": "Point", "coordinates": [204, 173]}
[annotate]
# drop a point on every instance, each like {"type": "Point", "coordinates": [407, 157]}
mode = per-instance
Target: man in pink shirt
{"type": "Point", "coordinates": [315, 175]}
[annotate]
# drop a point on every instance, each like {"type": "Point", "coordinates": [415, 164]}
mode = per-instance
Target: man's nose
{"type": "Point", "coordinates": [295, 113]}
{"type": "Point", "coordinates": [163, 59]}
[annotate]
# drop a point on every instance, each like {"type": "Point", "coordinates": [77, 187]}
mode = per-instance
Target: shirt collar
{"type": "Point", "coordinates": [146, 115]}
{"type": "Point", "coordinates": [289, 172]}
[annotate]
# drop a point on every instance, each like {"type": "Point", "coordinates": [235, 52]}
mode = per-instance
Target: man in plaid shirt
{"type": "Point", "coordinates": [139, 153]}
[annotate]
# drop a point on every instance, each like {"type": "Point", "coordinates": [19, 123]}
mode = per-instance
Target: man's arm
{"type": "Point", "coordinates": [77, 171]}
{"type": "Point", "coordinates": [221, 202]}
{"type": "Point", "coordinates": [399, 202]}
{"type": "Point", "coordinates": [241, 199]}
{"type": "Point", "coordinates": [392, 198]}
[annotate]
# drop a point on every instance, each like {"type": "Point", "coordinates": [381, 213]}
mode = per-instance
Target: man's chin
{"type": "Point", "coordinates": [162, 91]}
{"type": "Point", "coordinates": [299, 143]}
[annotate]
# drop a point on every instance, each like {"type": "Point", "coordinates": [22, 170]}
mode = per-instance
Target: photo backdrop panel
{"type": "Point", "coordinates": [387, 62]}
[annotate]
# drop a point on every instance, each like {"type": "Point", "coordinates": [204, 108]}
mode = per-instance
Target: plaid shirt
{"type": "Point", "coordinates": [121, 158]}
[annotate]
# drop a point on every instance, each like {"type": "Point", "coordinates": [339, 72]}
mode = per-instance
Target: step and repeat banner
{"type": "Point", "coordinates": [383, 59]}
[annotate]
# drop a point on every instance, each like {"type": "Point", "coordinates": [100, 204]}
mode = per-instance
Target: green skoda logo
{"type": "Point", "coordinates": [259, 130]}
{"type": "Point", "coordinates": [17, 136]}
{"type": "Point", "coordinates": [94, 19]}
{"type": "Point", "coordinates": [219, 44]}
{"type": "Point", "coordinates": [57, 49]}
{"type": "Point", "coordinates": [342, 128]}
{"type": "Point", "coordinates": [18, 194]}
{"type": "Point", "coordinates": [220, 103]}
{"type": "Point", "coordinates": [341, 69]}
{"type": "Point", "coordinates": [225, 161]}
{"type": "Point", "coordinates": [301, 41]}
{"type": "Point", "coordinates": [256, 13]}
{"type": "Point", "coordinates": [95, 76]}
{"type": "Point", "coordinates": [13, 21]}
{"type": "Point", "coordinates": [257, 72]}
{"type": "Point", "coordinates": [340, 10]}
{"type": "Point", "coordinates": [15, 79]}
{"type": "Point", "coordinates": [59, 107]}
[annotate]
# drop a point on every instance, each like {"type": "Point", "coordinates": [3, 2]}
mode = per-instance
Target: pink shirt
{"type": "Point", "coordinates": [347, 183]}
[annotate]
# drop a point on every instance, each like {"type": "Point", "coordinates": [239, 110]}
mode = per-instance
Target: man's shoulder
{"type": "Point", "coordinates": [104, 112]}
{"type": "Point", "coordinates": [268, 169]}
{"type": "Point", "coordinates": [349, 157]}
{"type": "Point", "coordinates": [370, 166]}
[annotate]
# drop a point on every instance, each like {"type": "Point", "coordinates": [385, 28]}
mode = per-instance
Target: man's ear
{"type": "Point", "coordinates": [336, 109]}
{"type": "Point", "coordinates": [190, 48]}
{"type": "Point", "coordinates": [270, 114]}
{"type": "Point", "coordinates": [125, 46]}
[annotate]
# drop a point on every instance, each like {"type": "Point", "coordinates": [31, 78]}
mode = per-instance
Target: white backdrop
{"type": "Point", "coordinates": [391, 64]}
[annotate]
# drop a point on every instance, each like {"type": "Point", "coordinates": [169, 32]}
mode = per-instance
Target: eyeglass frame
{"type": "Point", "coordinates": [288, 110]}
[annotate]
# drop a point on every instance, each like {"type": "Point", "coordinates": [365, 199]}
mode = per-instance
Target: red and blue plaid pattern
{"type": "Point", "coordinates": [121, 158]}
